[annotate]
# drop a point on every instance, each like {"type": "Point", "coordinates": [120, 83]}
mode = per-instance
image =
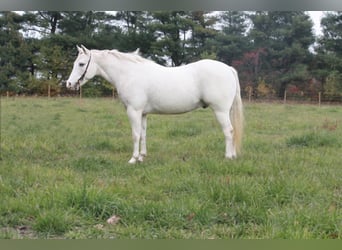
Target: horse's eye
{"type": "Point", "coordinates": [81, 64]}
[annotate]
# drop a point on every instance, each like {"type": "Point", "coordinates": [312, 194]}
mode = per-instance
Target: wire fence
{"type": "Point", "coordinates": [53, 92]}
{"type": "Point", "coordinates": [249, 96]}
{"type": "Point", "coordinates": [301, 97]}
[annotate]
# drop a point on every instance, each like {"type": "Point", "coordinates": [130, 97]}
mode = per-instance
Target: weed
{"type": "Point", "coordinates": [313, 139]}
{"type": "Point", "coordinates": [53, 222]}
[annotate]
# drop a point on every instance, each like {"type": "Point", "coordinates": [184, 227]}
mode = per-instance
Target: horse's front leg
{"type": "Point", "coordinates": [143, 150]}
{"type": "Point", "coordinates": [135, 118]}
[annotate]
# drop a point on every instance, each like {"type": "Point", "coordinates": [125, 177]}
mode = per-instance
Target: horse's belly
{"type": "Point", "coordinates": [177, 92]}
{"type": "Point", "coordinates": [172, 104]}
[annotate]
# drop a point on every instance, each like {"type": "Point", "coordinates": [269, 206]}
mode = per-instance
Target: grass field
{"type": "Point", "coordinates": [64, 172]}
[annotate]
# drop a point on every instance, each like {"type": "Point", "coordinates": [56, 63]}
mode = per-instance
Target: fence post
{"type": "Point", "coordinates": [249, 94]}
{"type": "Point", "coordinates": [285, 97]}
{"type": "Point", "coordinates": [7, 94]}
{"type": "Point", "coordinates": [49, 91]}
{"type": "Point", "coordinates": [319, 99]}
{"type": "Point", "coordinates": [80, 92]}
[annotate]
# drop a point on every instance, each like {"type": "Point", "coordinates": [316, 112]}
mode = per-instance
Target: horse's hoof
{"type": "Point", "coordinates": [140, 158]}
{"type": "Point", "coordinates": [132, 160]}
{"type": "Point", "coordinates": [230, 157]}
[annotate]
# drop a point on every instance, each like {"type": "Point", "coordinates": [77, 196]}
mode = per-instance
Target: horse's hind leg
{"type": "Point", "coordinates": [227, 128]}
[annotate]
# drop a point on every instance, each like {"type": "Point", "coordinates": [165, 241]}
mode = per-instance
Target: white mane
{"type": "Point", "coordinates": [132, 57]}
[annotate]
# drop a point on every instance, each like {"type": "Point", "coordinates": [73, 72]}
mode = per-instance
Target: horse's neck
{"type": "Point", "coordinates": [109, 68]}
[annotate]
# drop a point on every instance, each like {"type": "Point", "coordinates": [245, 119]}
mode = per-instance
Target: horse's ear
{"type": "Point", "coordinates": [79, 49]}
{"type": "Point", "coordinates": [137, 51]}
{"type": "Point", "coordinates": [85, 50]}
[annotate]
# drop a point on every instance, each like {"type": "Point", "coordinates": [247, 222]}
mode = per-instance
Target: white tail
{"type": "Point", "coordinates": [236, 116]}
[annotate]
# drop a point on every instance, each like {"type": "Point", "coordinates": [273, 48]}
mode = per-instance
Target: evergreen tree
{"type": "Point", "coordinates": [134, 31]}
{"type": "Point", "coordinates": [329, 54]}
{"type": "Point", "coordinates": [202, 31]}
{"type": "Point", "coordinates": [15, 54]}
{"type": "Point", "coordinates": [169, 29]}
{"type": "Point", "coordinates": [42, 22]}
{"type": "Point", "coordinates": [285, 37]}
{"type": "Point", "coordinates": [231, 42]}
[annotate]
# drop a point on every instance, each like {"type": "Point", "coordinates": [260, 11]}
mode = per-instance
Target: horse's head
{"type": "Point", "coordinates": [83, 69]}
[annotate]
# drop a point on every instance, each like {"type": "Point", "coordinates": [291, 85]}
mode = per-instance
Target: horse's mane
{"type": "Point", "coordinates": [134, 57]}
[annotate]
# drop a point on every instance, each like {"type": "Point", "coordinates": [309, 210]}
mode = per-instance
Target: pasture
{"type": "Point", "coordinates": [64, 172]}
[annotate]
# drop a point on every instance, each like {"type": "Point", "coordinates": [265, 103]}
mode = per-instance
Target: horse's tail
{"type": "Point", "coordinates": [236, 115]}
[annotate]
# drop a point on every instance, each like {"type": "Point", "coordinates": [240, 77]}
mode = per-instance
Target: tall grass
{"type": "Point", "coordinates": [64, 172]}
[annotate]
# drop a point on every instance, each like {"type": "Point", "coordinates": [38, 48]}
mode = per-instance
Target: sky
{"type": "Point", "coordinates": [316, 18]}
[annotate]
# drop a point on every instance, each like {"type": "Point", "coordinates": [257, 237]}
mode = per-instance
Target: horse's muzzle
{"type": "Point", "coordinates": [76, 86]}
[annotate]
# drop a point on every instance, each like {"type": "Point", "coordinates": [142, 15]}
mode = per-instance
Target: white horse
{"type": "Point", "coordinates": [145, 87]}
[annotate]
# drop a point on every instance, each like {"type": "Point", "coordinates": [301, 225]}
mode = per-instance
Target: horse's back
{"type": "Point", "coordinates": [211, 70]}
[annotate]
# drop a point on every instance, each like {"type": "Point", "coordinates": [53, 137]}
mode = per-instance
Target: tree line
{"type": "Point", "coordinates": [273, 51]}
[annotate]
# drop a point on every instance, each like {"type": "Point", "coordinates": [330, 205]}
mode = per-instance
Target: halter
{"type": "Point", "coordinates": [85, 71]}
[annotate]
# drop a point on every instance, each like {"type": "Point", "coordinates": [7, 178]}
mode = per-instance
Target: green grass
{"type": "Point", "coordinates": [64, 172]}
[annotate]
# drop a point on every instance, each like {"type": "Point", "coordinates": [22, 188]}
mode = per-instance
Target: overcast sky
{"type": "Point", "coordinates": [316, 18]}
